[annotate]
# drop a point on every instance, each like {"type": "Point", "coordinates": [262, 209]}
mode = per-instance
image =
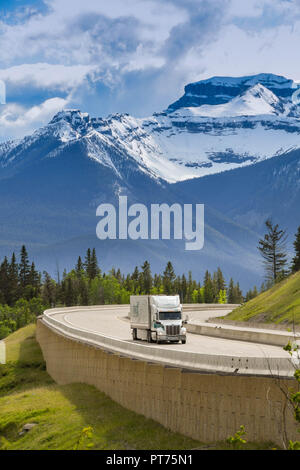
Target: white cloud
{"type": "Point", "coordinates": [137, 55]}
{"type": "Point", "coordinates": [43, 75]}
{"type": "Point", "coordinates": [240, 53]}
{"type": "Point", "coordinates": [16, 121]}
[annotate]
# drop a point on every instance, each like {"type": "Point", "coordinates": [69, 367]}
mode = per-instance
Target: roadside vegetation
{"type": "Point", "coordinates": [28, 395]}
{"type": "Point", "coordinates": [280, 304]}
{"type": "Point", "coordinates": [25, 293]}
{"type": "Point", "coordinates": [73, 416]}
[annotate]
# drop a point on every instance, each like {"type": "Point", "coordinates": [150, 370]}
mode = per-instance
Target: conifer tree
{"type": "Point", "coordinates": [135, 279]}
{"type": "Point", "coordinates": [209, 291]}
{"type": "Point", "coordinates": [79, 268]}
{"type": "Point", "coordinates": [94, 268]}
{"type": "Point", "coordinates": [272, 249]}
{"type": "Point", "coordinates": [230, 292]}
{"type": "Point", "coordinates": [146, 278]}
{"type": "Point", "coordinates": [13, 275]}
{"type": "Point", "coordinates": [220, 281]}
{"type": "Point", "coordinates": [24, 268]}
{"type": "Point", "coordinates": [69, 293]}
{"type": "Point", "coordinates": [49, 291]}
{"type": "Point", "coordinates": [184, 288]}
{"type": "Point", "coordinates": [83, 298]}
{"type": "Point", "coordinates": [87, 263]}
{"type": "Point", "coordinates": [168, 279]}
{"type": "Point", "coordinates": [238, 295]}
{"type": "Point", "coordinates": [296, 259]}
{"type": "Point", "coordinates": [4, 281]}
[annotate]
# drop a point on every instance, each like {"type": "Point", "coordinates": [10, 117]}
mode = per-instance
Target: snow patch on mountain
{"type": "Point", "coordinates": [258, 100]}
{"type": "Point", "coordinates": [220, 124]}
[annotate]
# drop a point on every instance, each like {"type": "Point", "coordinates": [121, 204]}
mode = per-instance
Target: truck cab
{"type": "Point", "coordinates": [157, 318]}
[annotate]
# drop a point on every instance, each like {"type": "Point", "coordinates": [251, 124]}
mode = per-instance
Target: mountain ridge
{"type": "Point", "coordinates": [244, 168]}
{"type": "Point", "coordinates": [254, 124]}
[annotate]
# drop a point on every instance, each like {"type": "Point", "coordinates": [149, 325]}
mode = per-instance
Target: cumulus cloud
{"type": "Point", "coordinates": [43, 75]}
{"type": "Point", "coordinates": [16, 121]}
{"type": "Point", "coordinates": [135, 56]}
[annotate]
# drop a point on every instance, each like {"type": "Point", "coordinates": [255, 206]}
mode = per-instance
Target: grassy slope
{"type": "Point", "coordinates": [29, 395]}
{"type": "Point", "coordinates": [279, 304]}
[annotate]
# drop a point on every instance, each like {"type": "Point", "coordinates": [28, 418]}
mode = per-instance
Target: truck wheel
{"type": "Point", "coordinates": [149, 338]}
{"type": "Point", "coordinates": [183, 341]}
{"type": "Point", "coordinates": [134, 334]}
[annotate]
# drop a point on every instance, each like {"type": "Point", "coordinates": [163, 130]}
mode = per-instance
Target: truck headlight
{"type": "Point", "coordinates": [160, 331]}
{"type": "Point", "coordinates": [183, 331]}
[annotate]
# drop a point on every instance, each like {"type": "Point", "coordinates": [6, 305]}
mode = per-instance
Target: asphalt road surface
{"type": "Point", "coordinates": [111, 321]}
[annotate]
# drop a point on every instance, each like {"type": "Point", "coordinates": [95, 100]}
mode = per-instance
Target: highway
{"type": "Point", "coordinates": [111, 322]}
{"type": "Point", "coordinates": [109, 328]}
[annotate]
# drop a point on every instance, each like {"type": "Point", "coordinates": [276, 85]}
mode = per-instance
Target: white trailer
{"type": "Point", "coordinates": [157, 318]}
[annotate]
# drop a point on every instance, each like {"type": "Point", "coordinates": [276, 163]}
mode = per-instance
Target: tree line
{"type": "Point", "coordinates": [272, 248]}
{"type": "Point", "coordinates": [25, 292]}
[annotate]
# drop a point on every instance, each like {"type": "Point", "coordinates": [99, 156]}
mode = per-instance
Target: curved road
{"type": "Point", "coordinates": [110, 321]}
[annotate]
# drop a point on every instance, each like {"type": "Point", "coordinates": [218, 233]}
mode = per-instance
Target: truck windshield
{"type": "Point", "coordinates": [170, 315]}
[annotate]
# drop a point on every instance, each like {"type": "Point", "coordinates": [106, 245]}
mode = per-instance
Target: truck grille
{"type": "Point", "coordinates": [173, 330]}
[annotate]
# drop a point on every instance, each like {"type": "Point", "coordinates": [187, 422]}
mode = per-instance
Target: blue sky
{"type": "Point", "coordinates": [133, 56]}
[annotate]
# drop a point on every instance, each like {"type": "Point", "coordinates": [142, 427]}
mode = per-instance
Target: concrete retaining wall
{"type": "Point", "coordinates": [285, 327]}
{"type": "Point", "coordinates": [207, 407]}
{"type": "Point", "coordinates": [275, 338]}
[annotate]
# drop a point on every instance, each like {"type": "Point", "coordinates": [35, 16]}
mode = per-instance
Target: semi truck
{"type": "Point", "coordinates": [157, 318]}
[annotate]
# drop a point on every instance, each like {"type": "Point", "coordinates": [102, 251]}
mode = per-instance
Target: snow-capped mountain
{"type": "Point", "coordinates": [219, 124]}
{"type": "Point", "coordinates": [53, 180]}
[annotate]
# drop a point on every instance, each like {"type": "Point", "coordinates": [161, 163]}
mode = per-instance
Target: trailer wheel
{"type": "Point", "coordinates": [134, 334]}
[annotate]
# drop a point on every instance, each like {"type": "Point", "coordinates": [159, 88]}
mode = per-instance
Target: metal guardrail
{"type": "Point", "coordinates": [278, 367]}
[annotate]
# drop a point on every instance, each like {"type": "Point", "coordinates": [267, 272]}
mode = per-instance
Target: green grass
{"type": "Point", "coordinates": [29, 395]}
{"type": "Point", "coordinates": [281, 304]}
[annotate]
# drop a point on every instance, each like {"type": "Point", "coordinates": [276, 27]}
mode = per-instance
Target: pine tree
{"type": "Point", "coordinates": [272, 249]}
{"type": "Point", "coordinates": [146, 278]}
{"type": "Point", "coordinates": [238, 294]}
{"type": "Point", "coordinates": [24, 269]}
{"type": "Point", "coordinates": [13, 275]}
{"type": "Point", "coordinates": [87, 263]}
{"type": "Point", "coordinates": [230, 292]}
{"type": "Point", "coordinates": [191, 287]}
{"type": "Point", "coordinates": [94, 268]}
{"type": "Point", "coordinates": [168, 279]}
{"type": "Point", "coordinates": [49, 291]}
{"type": "Point", "coordinates": [4, 281]}
{"type": "Point", "coordinates": [34, 277]}
{"type": "Point", "coordinates": [209, 291]}
{"type": "Point", "coordinates": [184, 288]}
{"type": "Point", "coordinates": [221, 285]}
{"type": "Point", "coordinates": [79, 268]}
{"type": "Point", "coordinates": [296, 259]}
{"type": "Point", "coordinates": [83, 298]}
{"type": "Point", "coordinates": [69, 293]}
{"type": "Point", "coordinates": [34, 283]}
{"type": "Point", "coordinates": [135, 279]}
